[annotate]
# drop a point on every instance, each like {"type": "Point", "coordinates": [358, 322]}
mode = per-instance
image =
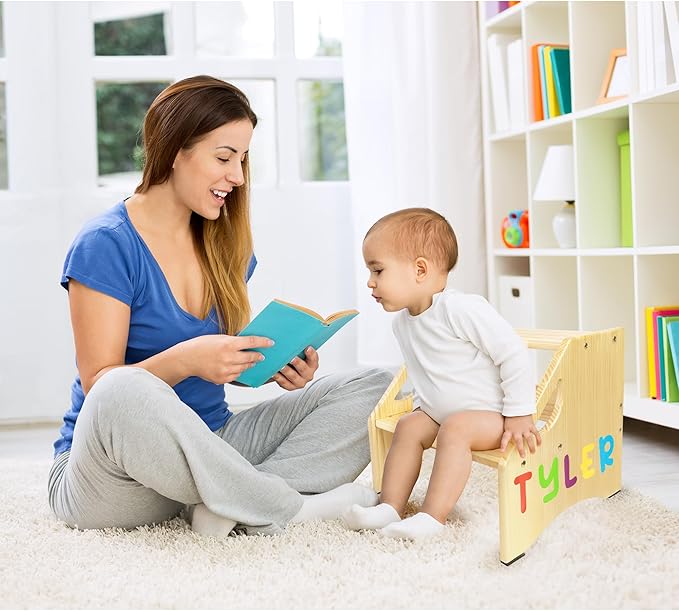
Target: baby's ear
{"type": "Point", "coordinates": [421, 268]}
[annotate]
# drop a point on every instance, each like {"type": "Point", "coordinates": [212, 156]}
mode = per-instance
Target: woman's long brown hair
{"type": "Point", "coordinates": [177, 119]}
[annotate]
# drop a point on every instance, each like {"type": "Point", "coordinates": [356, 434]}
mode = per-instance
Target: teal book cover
{"type": "Point", "coordinates": [562, 78]}
{"type": "Point", "coordinates": [292, 328]}
{"type": "Point", "coordinates": [661, 360]}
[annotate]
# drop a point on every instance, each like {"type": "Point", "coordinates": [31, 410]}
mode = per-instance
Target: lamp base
{"type": "Point", "coordinates": [563, 225]}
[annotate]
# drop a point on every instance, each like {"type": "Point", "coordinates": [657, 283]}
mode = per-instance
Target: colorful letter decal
{"type": "Point", "coordinates": [549, 480]}
{"type": "Point", "coordinates": [605, 452]}
{"type": "Point", "coordinates": [552, 479]}
{"type": "Point", "coordinates": [570, 482]}
{"type": "Point", "coordinates": [587, 461]}
{"type": "Point", "coordinates": [521, 480]}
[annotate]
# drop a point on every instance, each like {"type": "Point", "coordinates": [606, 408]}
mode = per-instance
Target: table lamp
{"type": "Point", "coordinates": [557, 183]}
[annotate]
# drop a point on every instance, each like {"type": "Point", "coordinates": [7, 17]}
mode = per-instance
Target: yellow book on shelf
{"type": "Point", "coordinates": [651, 347]}
{"type": "Point", "coordinates": [552, 103]}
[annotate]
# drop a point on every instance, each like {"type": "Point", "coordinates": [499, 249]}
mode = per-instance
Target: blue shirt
{"type": "Point", "coordinates": [109, 256]}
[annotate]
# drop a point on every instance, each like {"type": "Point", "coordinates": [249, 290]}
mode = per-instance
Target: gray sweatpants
{"type": "Point", "coordinates": [139, 454]}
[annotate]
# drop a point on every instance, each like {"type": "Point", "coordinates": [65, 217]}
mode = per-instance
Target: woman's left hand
{"type": "Point", "coordinates": [298, 372]}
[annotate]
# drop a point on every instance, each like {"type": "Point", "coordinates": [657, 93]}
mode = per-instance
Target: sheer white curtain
{"type": "Point", "coordinates": [413, 118]}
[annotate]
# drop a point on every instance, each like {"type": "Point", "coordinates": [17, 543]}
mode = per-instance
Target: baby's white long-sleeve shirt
{"type": "Point", "coordinates": [462, 355]}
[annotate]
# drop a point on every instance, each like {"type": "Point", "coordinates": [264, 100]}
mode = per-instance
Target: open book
{"type": "Point", "coordinates": [292, 328]}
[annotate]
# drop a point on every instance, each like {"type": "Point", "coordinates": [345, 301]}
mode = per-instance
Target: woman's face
{"type": "Point", "coordinates": [204, 174]}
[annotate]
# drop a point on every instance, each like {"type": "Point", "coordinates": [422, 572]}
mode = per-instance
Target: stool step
{"type": "Point", "coordinates": [490, 458]}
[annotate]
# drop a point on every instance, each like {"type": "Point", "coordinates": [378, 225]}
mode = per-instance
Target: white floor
{"type": "Point", "coordinates": [650, 455]}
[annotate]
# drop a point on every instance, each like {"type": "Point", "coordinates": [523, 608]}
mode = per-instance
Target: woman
{"type": "Point", "coordinates": [157, 293]}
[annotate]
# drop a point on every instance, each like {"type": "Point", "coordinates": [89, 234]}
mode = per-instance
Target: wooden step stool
{"type": "Point", "coordinates": [579, 407]}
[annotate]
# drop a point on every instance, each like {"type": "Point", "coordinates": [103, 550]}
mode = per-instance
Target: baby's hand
{"type": "Point", "coordinates": [518, 429]}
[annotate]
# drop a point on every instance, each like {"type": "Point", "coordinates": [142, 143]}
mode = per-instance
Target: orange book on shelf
{"type": "Point", "coordinates": [536, 87]}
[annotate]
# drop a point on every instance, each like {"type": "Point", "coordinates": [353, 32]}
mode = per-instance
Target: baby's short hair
{"type": "Point", "coordinates": [420, 232]}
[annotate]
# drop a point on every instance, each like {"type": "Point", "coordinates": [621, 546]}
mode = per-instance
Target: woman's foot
{"type": "Point", "coordinates": [362, 518]}
{"type": "Point", "coordinates": [205, 522]}
{"type": "Point", "coordinates": [419, 526]}
{"type": "Point", "coordinates": [332, 504]}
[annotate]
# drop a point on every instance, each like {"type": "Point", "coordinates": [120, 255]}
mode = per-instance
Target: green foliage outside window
{"type": "Point", "coordinates": [121, 106]}
{"type": "Point", "coordinates": [327, 143]}
{"type": "Point", "coordinates": [135, 36]}
{"type": "Point", "coordinates": [120, 113]}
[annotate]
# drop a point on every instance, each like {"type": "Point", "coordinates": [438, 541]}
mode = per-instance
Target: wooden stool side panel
{"type": "Point", "coordinates": [581, 453]}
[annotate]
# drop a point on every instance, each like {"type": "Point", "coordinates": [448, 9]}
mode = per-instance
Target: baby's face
{"type": "Point", "coordinates": [392, 279]}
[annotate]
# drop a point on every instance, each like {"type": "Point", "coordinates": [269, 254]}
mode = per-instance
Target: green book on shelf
{"type": "Point", "coordinates": [292, 328]}
{"type": "Point", "coordinates": [672, 391]}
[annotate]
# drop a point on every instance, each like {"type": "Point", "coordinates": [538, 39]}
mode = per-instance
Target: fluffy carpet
{"type": "Point", "coordinates": [617, 553]}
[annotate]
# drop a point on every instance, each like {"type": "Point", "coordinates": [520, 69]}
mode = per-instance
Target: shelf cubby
{"type": "Point", "coordinates": [654, 143]}
{"type": "Point", "coordinates": [555, 289]}
{"type": "Point", "coordinates": [591, 45]}
{"type": "Point", "coordinates": [597, 168]}
{"type": "Point", "coordinates": [656, 286]}
{"type": "Point", "coordinates": [509, 190]}
{"type": "Point", "coordinates": [542, 213]}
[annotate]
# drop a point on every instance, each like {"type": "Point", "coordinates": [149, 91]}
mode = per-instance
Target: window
{"type": "Point", "coordinates": [288, 71]}
{"type": "Point", "coordinates": [238, 29]}
{"type": "Point", "coordinates": [323, 143]}
{"type": "Point", "coordinates": [115, 57]}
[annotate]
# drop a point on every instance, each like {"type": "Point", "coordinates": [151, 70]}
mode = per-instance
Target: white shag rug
{"type": "Point", "coordinates": [621, 552]}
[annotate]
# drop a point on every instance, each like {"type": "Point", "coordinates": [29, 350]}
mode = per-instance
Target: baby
{"type": "Point", "coordinates": [469, 369]}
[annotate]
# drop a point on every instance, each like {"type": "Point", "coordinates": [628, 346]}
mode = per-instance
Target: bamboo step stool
{"type": "Point", "coordinates": [579, 411]}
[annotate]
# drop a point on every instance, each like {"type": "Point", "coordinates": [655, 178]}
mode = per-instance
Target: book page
{"type": "Point", "coordinates": [330, 319]}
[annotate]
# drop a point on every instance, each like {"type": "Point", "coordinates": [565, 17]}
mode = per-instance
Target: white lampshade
{"type": "Point", "coordinates": [556, 181]}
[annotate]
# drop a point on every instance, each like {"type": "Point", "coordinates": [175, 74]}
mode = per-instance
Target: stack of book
{"type": "Point", "coordinates": [662, 333]}
{"type": "Point", "coordinates": [657, 44]}
{"type": "Point", "coordinates": [551, 75]}
{"type": "Point", "coordinates": [507, 81]}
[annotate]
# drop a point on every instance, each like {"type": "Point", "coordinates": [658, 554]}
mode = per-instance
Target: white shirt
{"type": "Point", "coordinates": [462, 355]}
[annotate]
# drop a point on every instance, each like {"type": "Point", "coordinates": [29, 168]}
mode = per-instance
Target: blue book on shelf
{"type": "Point", "coordinates": [292, 328]}
{"type": "Point", "coordinates": [561, 67]}
{"type": "Point", "coordinates": [543, 82]}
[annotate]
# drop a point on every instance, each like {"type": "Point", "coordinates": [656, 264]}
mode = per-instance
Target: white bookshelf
{"type": "Point", "coordinates": [597, 284]}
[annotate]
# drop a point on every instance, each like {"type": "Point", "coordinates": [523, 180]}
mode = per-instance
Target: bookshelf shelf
{"type": "Point", "coordinates": [599, 283]}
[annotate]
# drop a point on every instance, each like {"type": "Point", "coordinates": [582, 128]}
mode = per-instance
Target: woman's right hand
{"type": "Point", "coordinates": [220, 359]}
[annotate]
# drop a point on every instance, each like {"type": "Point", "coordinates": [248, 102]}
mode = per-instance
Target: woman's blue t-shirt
{"type": "Point", "coordinates": [109, 256]}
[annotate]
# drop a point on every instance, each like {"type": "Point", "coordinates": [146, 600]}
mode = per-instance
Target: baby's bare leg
{"type": "Point", "coordinates": [458, 436]}
{"type": "Point", "coordinates": [413, 435]}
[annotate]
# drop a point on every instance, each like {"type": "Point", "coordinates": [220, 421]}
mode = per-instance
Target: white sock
{"type": "Point", "coordinates": [330, 505]}
{"type": "Point", "coordinates": [360, 518]}
{"type": "Point", "coordinates": [419, 526]}
{"type": "Point", "coordinates": [205, 522]}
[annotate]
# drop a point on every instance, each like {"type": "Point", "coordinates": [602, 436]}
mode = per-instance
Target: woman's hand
{"type": "Point", "coordinates": [298, 372]}
{"type": "Point", "coordinates": [220, 359]}
{"type": "Point", "coordinates": [519, 429]}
